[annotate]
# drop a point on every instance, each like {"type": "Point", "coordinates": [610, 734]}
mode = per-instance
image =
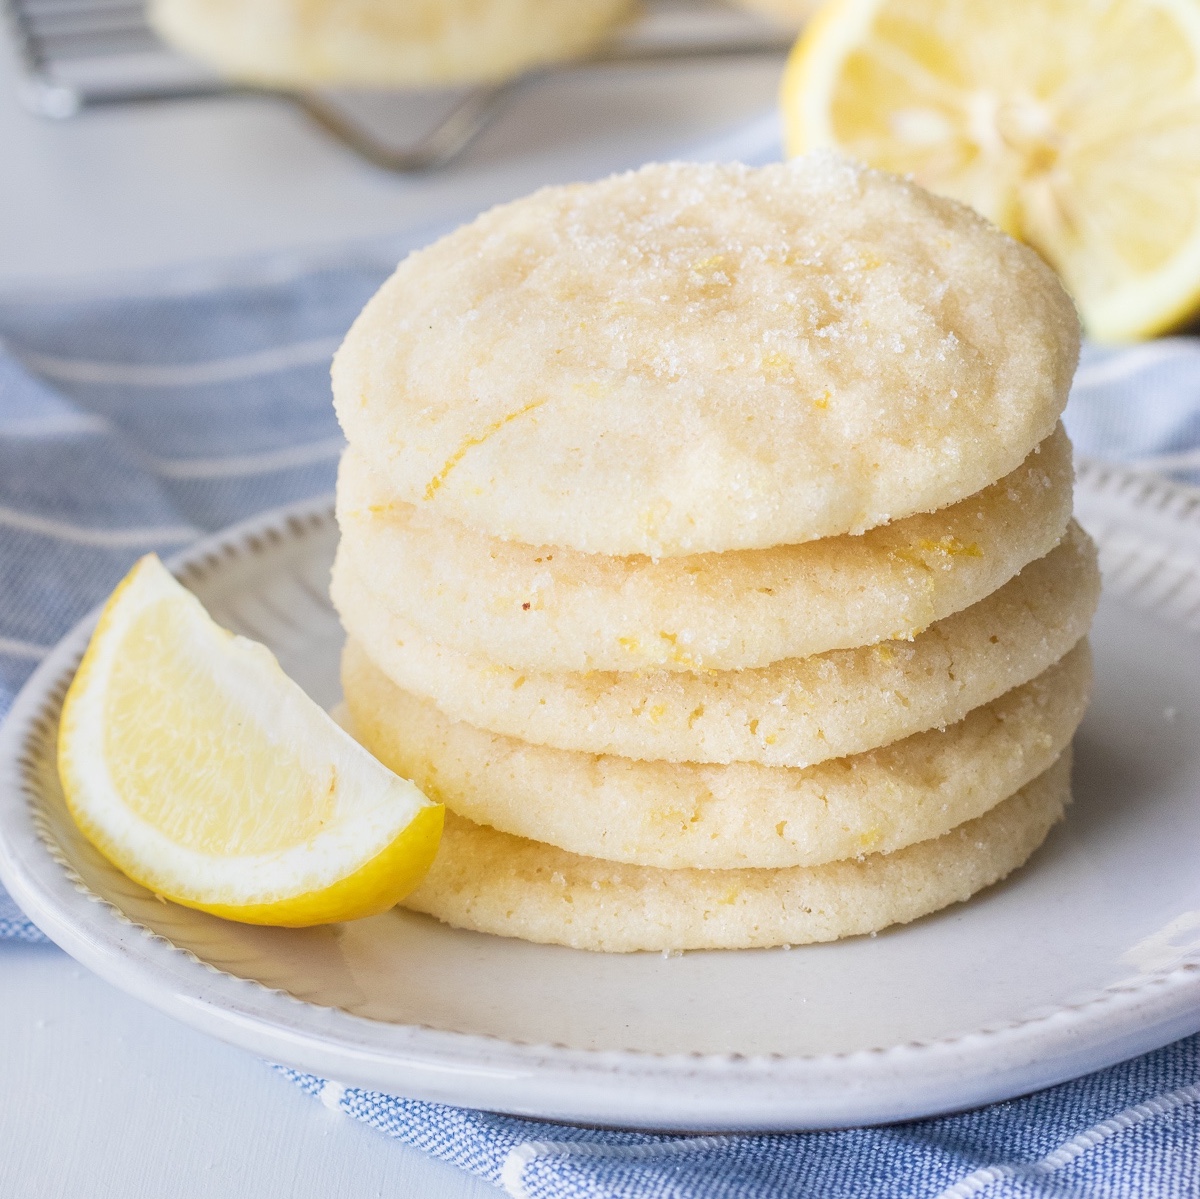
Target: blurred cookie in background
{"type": "Point", "coordinates": [383, 43]}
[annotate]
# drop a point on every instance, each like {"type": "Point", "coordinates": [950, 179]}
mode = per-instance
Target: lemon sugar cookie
{"type": "Point", "coordinates": [696, 358]}
{"type": "Point", "coordinates": [792, 713]}
{"type": "Point", "coordinates": [677, 814]}
{"type": "Point", "coordinates": [495, 883]}
{"type": "Point", "coordinates": [549, 609]}
{"type": "Point", "coordinates": [383, 43]}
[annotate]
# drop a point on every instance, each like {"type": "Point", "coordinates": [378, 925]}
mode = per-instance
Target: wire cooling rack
{"type": "Point", "coordinates": [77, 54]}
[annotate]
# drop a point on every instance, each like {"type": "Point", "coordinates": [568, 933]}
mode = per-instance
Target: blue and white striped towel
{"type": "Point", "coordinates": [137, 422]}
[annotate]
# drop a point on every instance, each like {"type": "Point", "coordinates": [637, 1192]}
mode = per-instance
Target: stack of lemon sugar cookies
{"type": "Point", "coordinates": [706, 548]}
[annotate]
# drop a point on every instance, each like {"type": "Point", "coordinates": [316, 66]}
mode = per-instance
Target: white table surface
{"type": "Point", "coordinates": [101, 1097]}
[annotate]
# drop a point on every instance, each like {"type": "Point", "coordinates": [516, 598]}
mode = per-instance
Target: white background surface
{"type": "Point", "coordinates": [100, 1097]}
{"type": "Point", "coordinates": [127, 188]}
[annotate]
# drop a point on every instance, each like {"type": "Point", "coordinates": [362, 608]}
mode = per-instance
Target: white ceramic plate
{"type": "Point", "coordinates": [1089, 955]}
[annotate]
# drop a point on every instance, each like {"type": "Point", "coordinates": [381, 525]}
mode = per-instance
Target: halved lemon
{"type": "Point", "coordinates": [1072, 124]}
{"type": "Point", "coordinates": [200, 770]}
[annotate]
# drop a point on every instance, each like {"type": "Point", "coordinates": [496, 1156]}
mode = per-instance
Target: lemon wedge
{"type": "Point", "coordinates": [200, 770]}
{"type": "Point", "coordinates": [1073, 126]}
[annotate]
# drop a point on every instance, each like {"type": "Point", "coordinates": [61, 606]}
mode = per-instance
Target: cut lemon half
{"type": "Point", "coordinates": [1072, 124]}
{"type": "Point", "coordinates": [200, 770]}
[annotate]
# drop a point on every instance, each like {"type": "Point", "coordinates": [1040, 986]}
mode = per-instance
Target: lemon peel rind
{"type": "Point", "coordinates": [842, 23]}
{"type": "Point", "coordinates": [1125, 313]}
{"type": "Point", "coordinates": [1123, 316]}
{"type": "Point", "coordinates": [377, 886]}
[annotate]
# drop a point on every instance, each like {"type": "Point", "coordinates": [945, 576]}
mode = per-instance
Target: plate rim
{"type": "Point", "coordinates": [687, 1092]}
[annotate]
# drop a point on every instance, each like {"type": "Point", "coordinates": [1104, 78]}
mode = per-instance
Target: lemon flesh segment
{"type": "Point", "coordinates": [199, 769]}
{"type": "Point", "coordinates": [1073, 126]}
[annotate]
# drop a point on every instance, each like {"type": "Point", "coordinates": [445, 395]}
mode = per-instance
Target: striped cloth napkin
{"type": "Point", "coordinates": [138, 421]}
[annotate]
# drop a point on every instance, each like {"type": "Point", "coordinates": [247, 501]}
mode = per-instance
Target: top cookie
{"type": "Point", "coordinates": [695, 358]}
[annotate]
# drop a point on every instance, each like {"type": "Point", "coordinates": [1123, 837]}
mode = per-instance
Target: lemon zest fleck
{"type": "Point", "coordinates": [472, 442]}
